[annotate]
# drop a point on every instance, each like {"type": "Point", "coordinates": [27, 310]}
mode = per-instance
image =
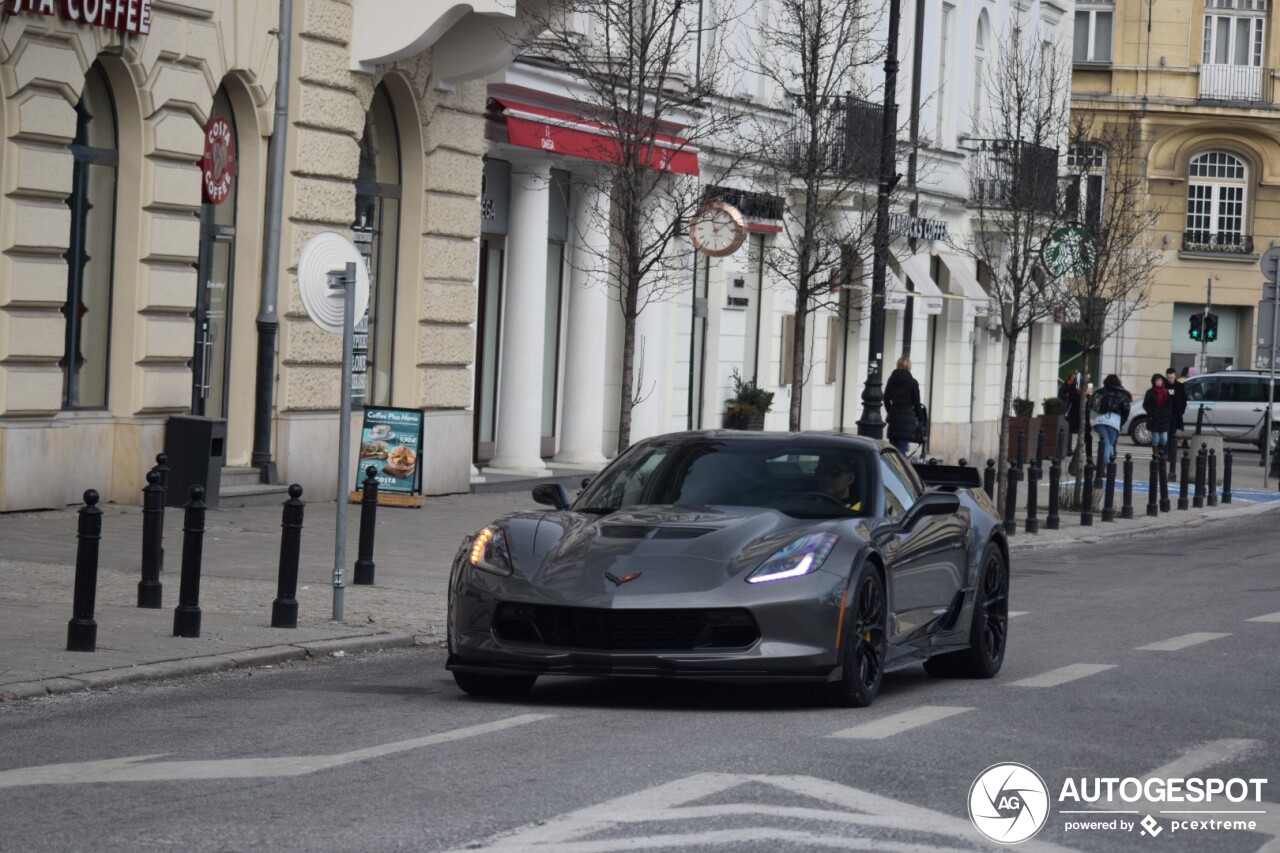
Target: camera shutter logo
{"type": "Point", "coordinates": [1009, 803]}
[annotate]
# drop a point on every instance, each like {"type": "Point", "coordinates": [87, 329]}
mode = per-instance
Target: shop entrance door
{"type": "Point", "coordinates": [211, 361]}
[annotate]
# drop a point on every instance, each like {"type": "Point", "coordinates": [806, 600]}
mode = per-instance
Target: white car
{"type": "Point", "coordinates": [1234, 403]}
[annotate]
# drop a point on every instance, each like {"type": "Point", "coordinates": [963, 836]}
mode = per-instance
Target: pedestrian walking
{"type": "Point", "coordinates": [1109, 408]}
{"type": "Point", "coordinates": [902, 400]}
{"type": "Point", "coordinates": [1069, 394]}
{"type": "Point", "coordinates": [1158, 404]}
{"type": "Point", "coordinates": [1177, 423]}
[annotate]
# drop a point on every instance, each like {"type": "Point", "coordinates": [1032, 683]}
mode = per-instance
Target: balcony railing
{"type": "Point", "coordinates": [1219, 243]}
{"type": "Point", "coordinates": [1241, 83]}
{"type": "Point", "coordinates": [848, 137]}
{"type": "Point", "coordinates": [1013, 175]}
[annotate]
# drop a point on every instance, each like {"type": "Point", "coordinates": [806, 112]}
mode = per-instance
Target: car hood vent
{"type": "Point", "coordinates": [649, 531]}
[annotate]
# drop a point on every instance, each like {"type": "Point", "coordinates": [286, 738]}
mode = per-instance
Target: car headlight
{"type": "Point", "coordinates": [797, 558]}
{"type": "Point", "coordinates": [489, 551]}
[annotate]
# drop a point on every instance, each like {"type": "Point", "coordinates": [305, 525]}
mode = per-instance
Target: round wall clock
{"type": "Point", "coordinates": [717, 229]}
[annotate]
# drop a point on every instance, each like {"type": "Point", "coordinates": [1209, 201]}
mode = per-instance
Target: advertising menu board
{"type": "Point", "coordinates": [391, 441]}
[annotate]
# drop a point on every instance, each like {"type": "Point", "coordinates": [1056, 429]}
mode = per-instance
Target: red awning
{"type": "Point", "coordinates": [562, 133]}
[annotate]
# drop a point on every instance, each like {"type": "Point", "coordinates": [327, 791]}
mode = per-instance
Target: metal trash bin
{"type": "Point", "coordinates": [196, 447]}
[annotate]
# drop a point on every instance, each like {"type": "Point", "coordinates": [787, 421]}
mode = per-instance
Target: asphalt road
{"type": "Point", "coordinates": [1148, 657]}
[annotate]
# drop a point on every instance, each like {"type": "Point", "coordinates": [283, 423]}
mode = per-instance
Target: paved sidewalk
{"type": "Point", "coordinates": [414, 549]}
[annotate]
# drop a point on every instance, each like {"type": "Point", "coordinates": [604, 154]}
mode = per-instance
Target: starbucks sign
{"type": "Point", "coordinates": [1069, 252]}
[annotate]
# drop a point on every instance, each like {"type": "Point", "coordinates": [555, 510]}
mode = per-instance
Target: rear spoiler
{"type": "Point", "coordinates": [955, 476]}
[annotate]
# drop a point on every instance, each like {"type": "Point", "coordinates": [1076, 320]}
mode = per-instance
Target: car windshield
{"type": "Point", "coordinates": [804, 481]}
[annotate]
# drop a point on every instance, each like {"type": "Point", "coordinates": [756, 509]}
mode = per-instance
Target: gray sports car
{"type": "Point", "coordinates": [741, 556]}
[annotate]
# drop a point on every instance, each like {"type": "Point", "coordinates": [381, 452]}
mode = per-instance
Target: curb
{"type": "Point", "coordinates": [181, 668]}
{"type": "Point", "coordinates": [1100, 532]}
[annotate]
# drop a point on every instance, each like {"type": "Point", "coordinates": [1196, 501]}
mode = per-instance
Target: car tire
{"type": "Point", "coordinates": [989, 628]}
{"type": "Point", "coordinates": [480, 684]}
{"type": "Point", "coordinates": [1139, 433]}
{"type": "Point", "coordinates": [862, 667]}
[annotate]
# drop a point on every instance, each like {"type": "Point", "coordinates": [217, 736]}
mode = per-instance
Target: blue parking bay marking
{"type": "Point", "coordinates": [1140, 487]}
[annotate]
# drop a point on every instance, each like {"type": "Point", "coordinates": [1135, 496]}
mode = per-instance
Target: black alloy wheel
{"type": "Point", "coordinates": [866, 640]}
{"type": "Point", "coordinates": [989, 629]}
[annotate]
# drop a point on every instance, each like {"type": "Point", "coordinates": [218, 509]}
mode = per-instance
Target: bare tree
{"type": "Point", "coordinates": [818, 150]}
{"type": "Point", "coordinates": [1014, 196]}
{"type": "Point", "coordinates": [637, 68]}
{"type": "Point", "coordinates": [1110, 278]}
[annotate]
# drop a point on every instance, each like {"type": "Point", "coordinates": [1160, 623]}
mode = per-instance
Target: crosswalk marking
{"type": "Point", "coordinates": [1062, 675]}
{"type": "Point", "coordinates": [898, 723]}
{"type": "Point", "coordinates": [1177, 643]}
{"type": "Point", "coordinates": [1270, 617]}
{"type": "Point", "coordinates": [1013, 613]}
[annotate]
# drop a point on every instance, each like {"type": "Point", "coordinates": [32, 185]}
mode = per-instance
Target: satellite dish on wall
{"type": "Point", "coordinates": [323, 254]}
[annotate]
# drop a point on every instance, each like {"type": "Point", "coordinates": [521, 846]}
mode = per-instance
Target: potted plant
{"type": "Point", "coordinates": [747, 407]}
{"type": "Point", "coordinates": [1053, 424]}
{"type": "Point", "coordinates": [1023, 421]}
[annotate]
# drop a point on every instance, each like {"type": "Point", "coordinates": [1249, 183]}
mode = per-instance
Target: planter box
{"type": "Point", "coordinates": [751, 422]}
{"type": "Point", "coordinates": [1029, 426]}
{"type": "Point", "coordinates": [1053, 426]}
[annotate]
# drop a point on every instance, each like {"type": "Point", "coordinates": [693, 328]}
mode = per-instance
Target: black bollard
{"type": "Point", "coordinates": [162, 468]}
{"type": "Point", "coordinates": [284, 610]}
{"type": "Point", "coordinates": [82, 630]}
{"type": "Point", "coordinates": [1012, 477]}
{"type": "Point", "coordinates": [1109, 496]}
{"type": "Point", "coordinates": [1213, 478]}
{"type": "Point", "coordinates": [186, 617]}
{"type": "Point", "coordinates": [1033, 494]}
{"type": "Point", "coordinates": [964, 463]}
{"type": "Point", "coordinates": [1184, 480]}
{"type": "Point", "coordinates": [1227, 461]}
{"type": "Point", "coordinates": [1086, 509]}
{"type": "Point", "coordinates": [1202, 461]}
{"type": "Point", "coordinates": [989, 479]}
{"type": "Point", "coordinates": [368, 526]}
{"type": "Point", "coordinates": [1052, 521]}
{"type": "Point", "coordinates": [1153, 486]}
{"type": "Point", "coordinates": [149, 588]}
{"type": "Point", "coordinates": [1126, 505]}
{"type": "Point", "coordinates": [1164, 487]}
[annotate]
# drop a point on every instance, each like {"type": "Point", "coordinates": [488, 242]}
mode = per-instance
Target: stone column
{"type": "Point", "coordinates": [582, 414]}
{"type": "Point", "coordinates": [518, 436]}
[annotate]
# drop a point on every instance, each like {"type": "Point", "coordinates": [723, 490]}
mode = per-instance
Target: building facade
{"type": "Point", "coordinates": [131, 282]}
{"type": "Point", "coordinates": [550, 395]}
{"type": "Point", "coordinates": [1199, 80]}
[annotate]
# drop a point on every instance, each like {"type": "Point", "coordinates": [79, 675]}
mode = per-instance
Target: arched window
{"type": "Point", "coordinates": [980, 39]}
{"type": "Point", "coordinates": [1216, 197]}
{"type": "Point", "coordinates": [377, 231]}
{"type": "Point", "coordinates": [90, 255]}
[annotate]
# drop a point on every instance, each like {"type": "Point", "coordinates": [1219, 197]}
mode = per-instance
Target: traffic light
{"type": "Point", "coordinates": [1210, 328]}
{"type": "Point", "coordinates": [1195, 327]}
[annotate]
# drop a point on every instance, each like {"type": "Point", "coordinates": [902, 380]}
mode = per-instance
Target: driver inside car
{"type": "Point", "coordinates": [834, 477]}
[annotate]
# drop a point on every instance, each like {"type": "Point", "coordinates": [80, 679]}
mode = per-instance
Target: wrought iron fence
{"type": "Point", "coordinates": [1014, 174]}
{"type": "Point", "coordinates": [848, 136]}
{"type": "Point", "coordinates": [1223, 243]}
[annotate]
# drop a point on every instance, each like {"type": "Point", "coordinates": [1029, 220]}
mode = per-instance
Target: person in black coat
{"type": "Point", "coordinates": [1158, 404]}
{"type": "Point", "coordinates": [902, 402]}
{"type": "Point", "coordinates": [1179, 394]}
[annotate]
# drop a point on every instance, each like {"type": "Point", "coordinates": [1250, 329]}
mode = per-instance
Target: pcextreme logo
{"type": "Point", "coordinates": [1008, 803]}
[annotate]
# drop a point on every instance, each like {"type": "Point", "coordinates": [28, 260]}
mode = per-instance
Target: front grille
{"type": "Point", "coordinates": [625, 630]}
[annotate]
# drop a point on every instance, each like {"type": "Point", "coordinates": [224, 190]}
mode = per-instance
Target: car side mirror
{"type": "Point", "coordinates": [551, 494]}
{"type": "Point", "coordinates": [930, 503]}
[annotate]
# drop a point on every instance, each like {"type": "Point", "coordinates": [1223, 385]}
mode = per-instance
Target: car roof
{"type": "Point", "coordinates": [834, 440]}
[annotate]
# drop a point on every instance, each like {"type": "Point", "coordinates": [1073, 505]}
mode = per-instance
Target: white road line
{"type": "Point", "coordinates": [1178, 643]}
{"type": "Point", "coordinates": [140, 768]}
{"type": "Point", "coordinates": [1270, 617]}
{"type": "Point", "coordinates": [898, 723]}
{"type": "Point", "coordinates": [1013, 613]}
{"type": "Point", "coordinates": [1062, 675]}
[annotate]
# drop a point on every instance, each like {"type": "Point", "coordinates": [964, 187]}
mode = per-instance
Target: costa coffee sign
{"type": "Point", "coordinates": [125, 16]}
{"type": "Point", "coordinates": [218, 166]}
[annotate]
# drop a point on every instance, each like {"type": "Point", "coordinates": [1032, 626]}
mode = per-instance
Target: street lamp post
{"type": "Point", "coordinates": [870, 424]}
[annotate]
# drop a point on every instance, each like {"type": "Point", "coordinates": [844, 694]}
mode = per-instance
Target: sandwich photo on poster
{"type": "Point", "coordinates": [391, 441]}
